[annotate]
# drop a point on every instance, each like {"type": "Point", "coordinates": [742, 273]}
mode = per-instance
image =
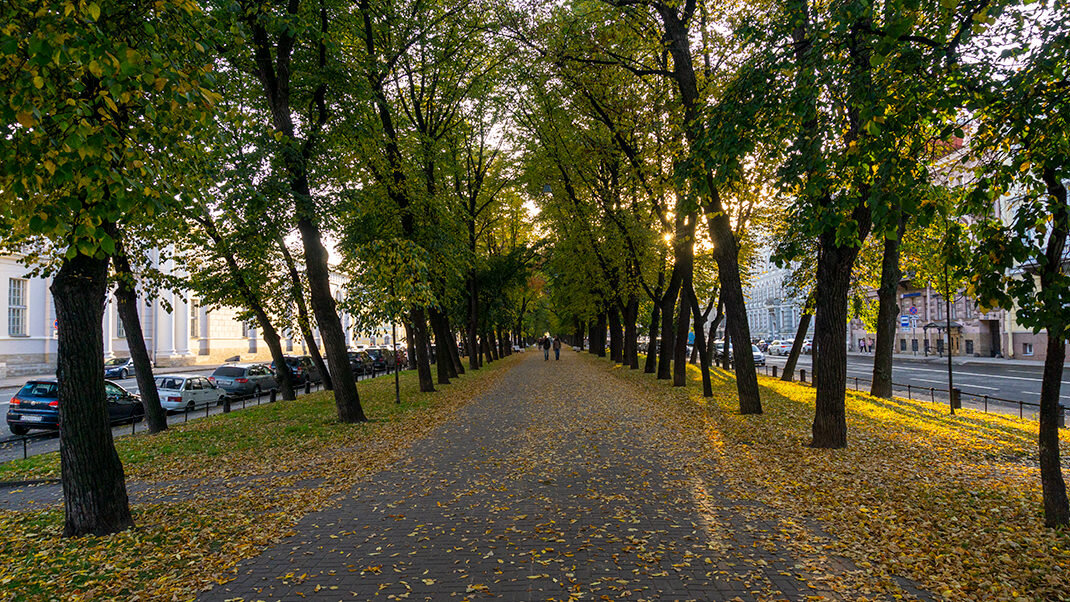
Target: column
{"type": "Point", "coordinates": [109, 329]}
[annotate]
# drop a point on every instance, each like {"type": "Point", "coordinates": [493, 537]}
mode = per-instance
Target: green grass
{"type": "Point", "coordinates": [208, 508]}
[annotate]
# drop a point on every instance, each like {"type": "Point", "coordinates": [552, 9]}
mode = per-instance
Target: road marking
{"type": "Point", "coordinates": [1034, 379]}
{"type": "Point", "coordinates": [929, 380]}
{"type": "Point", "coordinates": [980, 387]}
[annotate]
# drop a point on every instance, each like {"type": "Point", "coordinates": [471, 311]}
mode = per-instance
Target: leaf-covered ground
{"type": "Point", "coordinates": [562, 482]}
{"type": "Point", "coordinates": [215, 491]}
{"type": "Point", "coordinates": [951, 502]}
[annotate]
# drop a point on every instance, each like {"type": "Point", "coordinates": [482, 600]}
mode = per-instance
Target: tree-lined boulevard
{"type": "Point", "coordinates": [483, 175]}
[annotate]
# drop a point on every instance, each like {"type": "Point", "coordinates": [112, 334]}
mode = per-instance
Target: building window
{"type": "Point", "coordinates": [969, 347]}
{"type": "Point", "coordinates": [120, 330]}
{"type": "Point", "coordinates": [1027, 349]}
{"type": "Point", "coordinates": [902, 344]}
{"type": "Point", "coordinates": [194, 319]}
{"type": "Point", "coordinates": [16, 307]}
{"type": "Point", "coordinates": [245, 328]}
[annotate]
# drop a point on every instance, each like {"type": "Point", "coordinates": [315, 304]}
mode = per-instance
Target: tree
{"type": "Point", "coordinates": [94, 92]}
{"type": "Point", "coordinates": [291, 51]}
{"type": "Point", "coordinates": [1018, 257]}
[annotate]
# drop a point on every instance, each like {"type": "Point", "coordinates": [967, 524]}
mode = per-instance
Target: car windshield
{"type": "Point", "coordinates": [229, 371]}
{"type": "Point", "coordinates": [755, 349]}
{"type": "Point", "coordinates": [40, 390]}
{"type": "Point", "coordinates": [115, 361]}
{"type": "Point", "coordinates": [169, 383]}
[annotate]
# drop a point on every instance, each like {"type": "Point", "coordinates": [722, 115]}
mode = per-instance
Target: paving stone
{"type": "Point", "coordinates": [558, 482]}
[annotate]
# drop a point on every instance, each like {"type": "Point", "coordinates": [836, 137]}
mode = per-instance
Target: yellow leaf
{"type": "Point", "coordinates": [94, 10]}
{"type": "Point", "coordinates": [26, 119]}
{"type": "Point", "coordinates": [38, 82]}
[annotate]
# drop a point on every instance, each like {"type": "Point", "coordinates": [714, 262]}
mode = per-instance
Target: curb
{"type": "Point", "coordinates": [12, 484]}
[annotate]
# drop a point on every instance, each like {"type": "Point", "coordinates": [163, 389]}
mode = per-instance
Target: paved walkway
{"type": "Point", "coordinates": [557, 484]}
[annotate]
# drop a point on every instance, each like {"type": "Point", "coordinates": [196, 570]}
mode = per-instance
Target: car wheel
{"type": "Point", "coordinates": [123, 374]}
{"type": "Point", "coordinates": [191, 406]}
{"type": "Point", "coordinates": [17, 429]}
{"type": "Point", "coordinates": [257, 392]}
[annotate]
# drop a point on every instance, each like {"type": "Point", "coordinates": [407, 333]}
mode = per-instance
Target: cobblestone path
{"type": "Point", "coordinates": [560, 483]}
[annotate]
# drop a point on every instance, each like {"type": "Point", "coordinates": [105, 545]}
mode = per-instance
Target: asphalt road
{"type": "Point", "coordinates": [1013, 383]}
{"type": "Point", "coordinates": [40, 442]}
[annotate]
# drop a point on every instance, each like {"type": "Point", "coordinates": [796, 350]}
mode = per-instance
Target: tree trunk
{"type": "Point", "coordinates": [631, 335]}
{"type": "Point", "coordinates": [711, 336]}
{"type": "Point", "coordinates": [683, 325]}
{"type": "Point", "coordinates": [598, 345]}
{"type": "Point", "coordinates": [126, 303]}
{"type": "Point", "coordinates": [443, 362]}
{"type": "Point", "coordinates": [887, 315]}
{"type": "Point", "coordinates": [655, 319]}
{"type": "Point", "coordinates": [495, 346]}
{"type": "Point", "coordinates": [668, 305]}
{"type": "Point", "coordinates": [830, 343]}
{"type": "Point", "coordinates": [473, 322]}
{"type": "Point", "coordinates": [410, 349]}
{"type": "Point", "coordinates": [487, 357]}
{"type": "Point", "coordinates": [700, 345]}
{"type": "Point", "coordinates": [796, 346]}
{"type": "Point", "coordinates": [737, 328]}
{"type": "Point", "coordinates": [419, 344]}
{"type": "Point", "coordinates": [616, 344]}
{"type": "Point", "coordinates": [94, 486]}
{"type": "Point", "coordinates": [346, 399]}
{"type": "Point", "coordinates": [579, 334]}
{"type": "Point", "coordinates": [304, 324]}
{"type": "Point", "coordinates": [1056, 507]}
{"type": "Point", "coordinates": [455, 356]}
{"type": "Point", "coordinates": [252, 300]}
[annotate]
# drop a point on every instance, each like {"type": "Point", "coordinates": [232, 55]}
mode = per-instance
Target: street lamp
{"type": "Point", "coordinates": [394, 341]}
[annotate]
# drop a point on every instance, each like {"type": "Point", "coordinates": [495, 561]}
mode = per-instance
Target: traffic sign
{"type": "Point", "coordinates": [904, 322]}
{"type": "Point", "coordinates": [913, 311]}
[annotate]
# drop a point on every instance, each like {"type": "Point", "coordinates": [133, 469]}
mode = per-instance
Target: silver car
{"type": "Point", "coordinates": [244, 379]}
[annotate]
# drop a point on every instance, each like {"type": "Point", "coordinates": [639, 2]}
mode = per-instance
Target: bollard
{"type": "Point", "coordinates": [932, 395]}
{"type": "Point", "coordinates": [24, 454]}
{"type": "Point", "coordinates": [206, 406]}
{"type": "Point", "coordinates": [986, 404]}
{"type": "Point", "coordinates": [856, 383]}
{"type": "Point", "coordinates": [956, 398]}
{"type": "Point", "coordinates": [308, 387]}
{"type": "Point", "coordinates": [1062, 416]}
{"type": "Point", "coordinates": [226, 404]}
{"type": "Point", "coordinates": [774, 371]}
{"type": "Point", "coordinates": [802, 376]}
{"type": "Point", "coordinates": [272, 398]}
{"type": "Point", "coordinates": [909, 396]}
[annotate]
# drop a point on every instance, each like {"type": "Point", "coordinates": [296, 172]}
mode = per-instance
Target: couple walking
{"type": "Point", "coordinates": [546, 343]}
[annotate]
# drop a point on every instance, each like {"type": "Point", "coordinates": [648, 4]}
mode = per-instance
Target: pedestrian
{"type": "Point", "coordinates": [546, 348]}
{"type": "Point", "coordinates": [557, 348]}
{"type": "Point", "coordinates": [869, 345]}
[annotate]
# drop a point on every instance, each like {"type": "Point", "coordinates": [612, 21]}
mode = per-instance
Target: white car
{"type": "Point", "coordinates": [779, 347]}
{"type": "Point", "coordinates": [187, 391]}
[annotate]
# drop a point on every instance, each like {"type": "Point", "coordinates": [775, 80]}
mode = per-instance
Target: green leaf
{"type": "Point", "coordinates": [94, 10]}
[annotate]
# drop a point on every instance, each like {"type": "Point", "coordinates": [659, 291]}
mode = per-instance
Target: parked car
{"type": "Point", "coordinates": [360, 362]}
{"type": "Point", "coordinates": [382, 358]}
{"type": "Point", "coordinates": [780, 347]}
{"type": "Point", "coordinates": [759, 357]}
{"type": "Point", "coordinates": [36, 406]}
{"type": "Point", "coordinates": [187, 391]}
{"type": "Point", "coordinates": [244, 379]}
{"type": "Point", "coordinates": [808, 346]}
{"type": "Point", "coordinates": [119, 367]}
{"type": "Point", "coordinates": [302, 369]}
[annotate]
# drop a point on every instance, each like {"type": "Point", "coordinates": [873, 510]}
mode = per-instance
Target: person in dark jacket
{"type": "Point", "coordinates": [557, 348]}
{"type": "Point", "coordinates": [545, 348]}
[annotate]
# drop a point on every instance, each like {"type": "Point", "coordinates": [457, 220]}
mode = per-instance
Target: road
{"type": "Point", "coordinates": [1008, 382]}
{"type": "Point", "coordinates": [40, 442]}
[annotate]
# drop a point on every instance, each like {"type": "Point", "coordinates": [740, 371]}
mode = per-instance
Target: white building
{"type": "Point", "coordinates": [772, 312]}
{"type": "Point", "coordinates": [185, 334]}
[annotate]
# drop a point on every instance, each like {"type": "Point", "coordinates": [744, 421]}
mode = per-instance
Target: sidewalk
{"type": "Point", "coordinates": [560, 483]}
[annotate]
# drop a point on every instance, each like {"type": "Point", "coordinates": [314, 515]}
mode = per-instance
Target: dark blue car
{"type": "Point", "coordinates": [119, 367]}
{"type": "Point", "coordinates": [36, 406]}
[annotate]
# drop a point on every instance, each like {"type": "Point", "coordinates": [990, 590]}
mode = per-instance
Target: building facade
{"type": "Point", "coordinates": [178, 329]}
{"type": "Point", "coordinates": [772, 311]}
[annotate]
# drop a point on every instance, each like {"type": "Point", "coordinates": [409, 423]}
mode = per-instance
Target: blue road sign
{"type": "Point", "coordinates": [904, 322]}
